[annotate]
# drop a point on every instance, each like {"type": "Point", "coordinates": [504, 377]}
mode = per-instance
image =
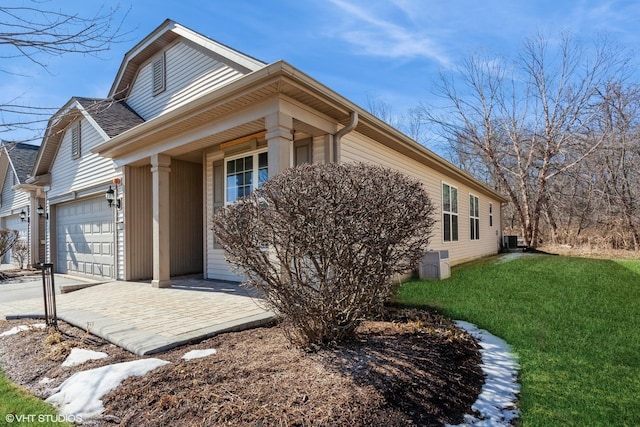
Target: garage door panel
{"type": "Point", "coordinates": [85, 237]}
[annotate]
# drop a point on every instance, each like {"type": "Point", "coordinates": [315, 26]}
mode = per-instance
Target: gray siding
{"type": "Point", "coordinates": [189, 74]}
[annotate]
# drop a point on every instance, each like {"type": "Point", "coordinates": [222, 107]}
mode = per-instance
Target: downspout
{"type": "Point", "coordinates": [342, 132]}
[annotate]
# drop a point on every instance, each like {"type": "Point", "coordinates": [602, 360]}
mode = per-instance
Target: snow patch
{"type": "Point", "coordinates": [45, 381]}
{"type": "Point", "coordinates": [17, 329]}
{"type": "Point", "coordinates": [80, 394]}
{"type": "Point", "coordinates": [195, 354]}
{"type": "Point", "coordinates": [81, 355]}
{"type": "Point", "coordinates": [497, 400]}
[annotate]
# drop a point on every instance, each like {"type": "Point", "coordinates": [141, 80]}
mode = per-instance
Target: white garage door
{"type": "Point", "coordinates": [14, 222]}
{"type": "Point", "coordinates": [84, 235]}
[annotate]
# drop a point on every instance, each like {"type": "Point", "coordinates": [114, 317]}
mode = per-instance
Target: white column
{"type": "Point", "coordinates": [160, 169]}
{"type": "Point", "coordinates": [279, 142]}
{"type": "Point", "coordinates": [34, 230]}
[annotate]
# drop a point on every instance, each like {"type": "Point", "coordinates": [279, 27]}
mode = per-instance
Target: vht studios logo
{"type": "Point", "coordinates": [42, 418]}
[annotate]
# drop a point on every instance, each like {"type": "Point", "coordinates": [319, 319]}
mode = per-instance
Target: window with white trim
{"type": "Point", "coordinates": [449, 213]}
{"type": "Point", "coordinates": [474, 217]}
{"type": "Point", "coordinates": [159, 78]}
{"type": "Point", "coordinates": [243, 173]}
{"type": "Point", "coordinates": [76, 141]}
{"type": "Point", "coordinates": [490, 214]}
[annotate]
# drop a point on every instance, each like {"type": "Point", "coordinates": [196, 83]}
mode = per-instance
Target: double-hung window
{"type": "Point", "coordinates": [474, 217]}
{"type": "Point", "coordinates": [245, 174]}
{"type": "Point", "coordinates": [449, 213]}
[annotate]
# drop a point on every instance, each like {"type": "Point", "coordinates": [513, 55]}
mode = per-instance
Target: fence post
{"type": "Point", "coordinates": [49, 292]}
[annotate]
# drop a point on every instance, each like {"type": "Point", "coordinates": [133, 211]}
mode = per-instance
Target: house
{"type": "Point", "coordinates": [198, 125]}
{"type": "Point", "coordinates": [19, 209]}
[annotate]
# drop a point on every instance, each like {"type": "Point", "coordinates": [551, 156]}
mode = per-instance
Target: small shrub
{"type": "Point", "coordinates": [323, 243]}
{"type": "Point", "coordinates": [8, 238]}
{"type": "Point", "coordinates": [20, 252]}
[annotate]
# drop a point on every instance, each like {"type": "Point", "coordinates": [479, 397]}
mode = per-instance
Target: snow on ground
{"type": "Point", "coordinates": [195, 354]}
{"type": "Point", "coordinates": [497, 400]}
{"type": "Point", "coordinates": [80, 394]}
{"type": "Point", "coordinates": [17, 329]}
{"type": "Point", "coordinates": [81, 355]}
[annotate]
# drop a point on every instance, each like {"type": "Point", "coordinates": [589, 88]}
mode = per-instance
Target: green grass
{"type": "Point", "coordinates": [573, 323]}
{"type": "Point", "coordinates": [26, 408]}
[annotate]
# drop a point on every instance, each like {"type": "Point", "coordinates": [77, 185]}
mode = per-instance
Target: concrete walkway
{"type": "Point", "coordinates": [147, 320]}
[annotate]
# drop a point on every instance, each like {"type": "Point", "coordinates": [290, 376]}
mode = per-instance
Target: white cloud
{"type": "Point", "coordinates": [378, 36]}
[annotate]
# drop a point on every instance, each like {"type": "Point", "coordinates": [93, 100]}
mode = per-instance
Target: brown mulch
{"type": "Point", "coordinates": [412, 368]}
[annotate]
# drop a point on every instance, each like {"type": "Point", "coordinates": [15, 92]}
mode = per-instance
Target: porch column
{"type": "Point", "coordinates": [34, 230]}
{"type": "Point", "coordinates": [160, 169]}
{"type": "Point", "coordinates": [279, 141]}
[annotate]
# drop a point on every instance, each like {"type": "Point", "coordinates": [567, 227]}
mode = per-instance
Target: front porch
{"type": "Point", "coordinates": [146, 320]}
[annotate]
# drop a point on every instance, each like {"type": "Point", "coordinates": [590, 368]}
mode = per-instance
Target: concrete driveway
{"type": "Point", "coordinates": [30, 287]}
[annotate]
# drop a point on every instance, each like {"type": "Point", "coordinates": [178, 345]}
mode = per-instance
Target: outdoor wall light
{"type": "Point", "coordinates": [110, 196]}
{"type": "Point", "coordinates": [40, 211]}
{"type": "Point", "coordinates": [23, 215]}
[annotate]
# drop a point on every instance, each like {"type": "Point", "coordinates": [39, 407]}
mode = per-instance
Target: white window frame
{"type": "Point", "coordinates": [159, 64]}
{"type": "Point", "coordinates": [490, 214]}
{"type": "Point", "coordinates": [474, 217]}
{"type": "Point", "coordinates": [255, 172]}
{"type": "Point", "coordinates": [453, 237]}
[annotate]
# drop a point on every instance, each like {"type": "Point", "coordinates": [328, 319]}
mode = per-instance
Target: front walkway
{"type": "Point", "coordinates": [146, 320]}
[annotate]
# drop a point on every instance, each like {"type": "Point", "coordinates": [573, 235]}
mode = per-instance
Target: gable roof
{"type": "Point", "coordinates": [114, 117]}
{"type": "Point", "coordinates": [161, 37]}
{"type": "Point", "coordinates": [21, 157]}
{"type": "Point", "coordinates": [109, 116]}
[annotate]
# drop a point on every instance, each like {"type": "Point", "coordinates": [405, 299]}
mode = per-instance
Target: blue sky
{"type": "Point", "coordinates": [392, 50]}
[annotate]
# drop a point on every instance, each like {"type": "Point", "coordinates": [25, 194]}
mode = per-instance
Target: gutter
{"type": "Point", "coordinates": [342, 132]}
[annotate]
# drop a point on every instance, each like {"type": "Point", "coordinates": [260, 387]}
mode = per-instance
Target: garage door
{"type": "Point", "coordinates": [14, 222]}
{"type": "Point", "coordinates": [84, 235]}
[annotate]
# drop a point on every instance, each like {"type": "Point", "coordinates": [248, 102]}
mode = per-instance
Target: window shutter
{"type": "Point", "coordinates": [218, 193]}
{"type": "Point", "coordinates": [159, 75]}
{"type": "Point", "coordinates": [75, 142]}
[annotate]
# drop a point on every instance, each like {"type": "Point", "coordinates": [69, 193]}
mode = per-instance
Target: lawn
{"type": "Point", "coordinates": [574, 324]}
{"type": "Point", "coordinates": [19, 407]}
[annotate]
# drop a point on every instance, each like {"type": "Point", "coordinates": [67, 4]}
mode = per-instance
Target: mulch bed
{"type": "Point", "coordinates": [411, 368]}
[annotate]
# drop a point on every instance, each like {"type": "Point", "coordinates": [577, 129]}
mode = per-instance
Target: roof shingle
{"type": "Point", "coordinates": [114, 117]}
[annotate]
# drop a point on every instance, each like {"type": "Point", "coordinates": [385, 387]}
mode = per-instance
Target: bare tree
{"type": "Point", "coordinates": [529, 122]}
{"type": "Point", "coordinates": [324, 242]}
{"type": "Point", "coordinates": [35, 31]}
{"type": "Point", "coordinates": [8, 238]}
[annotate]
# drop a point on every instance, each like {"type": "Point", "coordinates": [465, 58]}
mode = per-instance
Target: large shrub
{"type": "Point", "coordinates": [324, 242]}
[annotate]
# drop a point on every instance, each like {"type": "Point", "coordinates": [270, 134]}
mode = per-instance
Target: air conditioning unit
{"type": "Point", "coordinates": [434, 265]}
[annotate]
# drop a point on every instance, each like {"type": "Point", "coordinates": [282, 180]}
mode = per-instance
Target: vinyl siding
{"type": "Point", "coordinates": [356, 147]}
{"type": "Point", "coordinates": [217, 267]}
{"type": "Point", "coordinates": [12, 201]}
{"type": "Point", "coordinates": [186, 217]}
{"type": "Point", "coordinates": [69, 175]}
{"type": "Point", "coordinates": [138, 225]}
{"type": "Point", "coordinates": [189, 74]}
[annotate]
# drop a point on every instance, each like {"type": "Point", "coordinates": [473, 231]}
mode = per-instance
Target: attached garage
{"type": "Point", "coordinates": [85, 238]}
{"type": "Point", "coordinates": [14, 222]}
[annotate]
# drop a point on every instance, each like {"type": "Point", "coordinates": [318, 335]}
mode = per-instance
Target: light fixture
{"type": "Point", "coordinates": [40, 210]}
{"type": "Point", "coordinates": [23, 215]}
{"type": "Point", "coordinates": [110, 196]}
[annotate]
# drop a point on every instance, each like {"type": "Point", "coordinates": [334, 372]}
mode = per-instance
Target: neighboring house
{"type": "Point", "coordinates": [202, 125]}
{"type": "Point", "coordinates": [18, 209]}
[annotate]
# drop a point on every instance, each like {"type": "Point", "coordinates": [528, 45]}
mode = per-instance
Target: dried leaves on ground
{"type": "Point", "coordinates": [412, 368]}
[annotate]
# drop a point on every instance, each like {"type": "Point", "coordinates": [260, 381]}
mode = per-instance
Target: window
{"type": "Point", "coordinates": [449, 213]}
{"type": "Point", "coordinates": [474, 217]}
{"type": "Point", "coordinates": [242, 173]}
{"type": "Point", "coordinates": [159, 75]}
{"type": "Point", "coordinates": [490, 214]}
{"type": "Point", "coordinates": [76, 146]}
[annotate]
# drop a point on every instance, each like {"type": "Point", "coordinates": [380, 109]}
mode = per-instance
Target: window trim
{"type": "Point", "coordinates": [490, 214]}
{"type": "Point", "coordinates": [454, 234]}
{"type": "Point", "coordinates": [474, 220]}
{"type": "Point", "coordinates": [255, 177]}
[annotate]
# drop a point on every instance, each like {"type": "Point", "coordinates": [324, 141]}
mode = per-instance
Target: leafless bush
{"type": "Point", "coordinates": [323, 242]}
{"type": "Point", "coordinates": [20, 252]}
{"type": "Point", "coordinates": [8, 238]}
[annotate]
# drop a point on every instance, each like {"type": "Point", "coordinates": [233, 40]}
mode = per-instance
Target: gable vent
{"type": "Point", "coordinates": [159, 75]}
{"type": "Point", "coordinates": [75, 142]}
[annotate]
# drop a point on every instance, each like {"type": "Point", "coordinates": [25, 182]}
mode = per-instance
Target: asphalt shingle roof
{"type": "Point", "coordinates": [114, 117]}
{"type": "Point", "coordinates": [22, 156]}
